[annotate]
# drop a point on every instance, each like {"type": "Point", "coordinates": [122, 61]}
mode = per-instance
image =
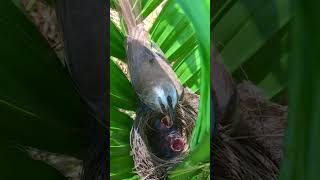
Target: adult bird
{"type": "Point", "coordinates": [222, 83]}
{"type": "Point", "coordinates": [84, 28]}
{"type": "Point", "coordinates": [153, 79]}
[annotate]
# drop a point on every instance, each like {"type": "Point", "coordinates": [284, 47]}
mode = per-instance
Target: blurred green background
{"type": "Point", "coordinates": [275, 44]}
{"type": "Point", "coordinates": [39, 106]}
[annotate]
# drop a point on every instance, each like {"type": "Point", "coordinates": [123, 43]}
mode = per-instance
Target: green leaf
{"type": "Point", "coordinates": [250, 22]}
{"type": "Point", "coordinates": [199, 15]}
{"type": "Point", "coordinates": [220, 7]}
{"type": "Point", "coordinates": [171, 33]}
{"type": "Point", "coordinates": [191, 172]}
{"type": "Point", "coordinates": [117, 41]}
{"type": "Point", "coordinates": [136, 177]}
{"type": "Point", "coordinates": [200, 145]}
{"type": "Point", "coordinates": [252, 39]}
{"type": "Point", "coordinates": [149, 6]}
{"type": "Point", "coordinates": [39, 105]}
{"type": "Point", "coordinates": [121, 91]}
{"type": "Point", "coordinates": [301, 153]}
{"type": "Point", "coordinates": [121, 121]}
{"type": "Point", "coordinates": [119, 132]}
{"type": "Point", "coordinates": [176, 38]}
{"type": "Point", "coordinates": [121, 167]}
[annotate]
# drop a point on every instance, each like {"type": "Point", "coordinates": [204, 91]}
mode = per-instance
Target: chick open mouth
{"type": "Point", "coordinates": [167, 121]}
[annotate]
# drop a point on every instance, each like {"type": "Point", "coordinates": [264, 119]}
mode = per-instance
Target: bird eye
{"type": "Point", "coordinates": [169, 100]}
{"type": "Point", "coordinates": [162, 106]}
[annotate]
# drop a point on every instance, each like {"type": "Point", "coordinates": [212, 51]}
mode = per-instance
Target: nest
{"type": "Point", "coordinates": [145, 140]}
{"type": "Point", "coordinates": [249, 146]}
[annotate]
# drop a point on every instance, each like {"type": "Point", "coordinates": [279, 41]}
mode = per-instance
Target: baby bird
{"type": "Point", "coordinates": [171, 143]}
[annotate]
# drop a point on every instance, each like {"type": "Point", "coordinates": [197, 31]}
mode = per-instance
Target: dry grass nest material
{"type": "Point", "coordinates": [249, 146]}
{"type": "Point", "coordinates": [44, 18]}
{"type": "Point", "coordinates": [147, 163]}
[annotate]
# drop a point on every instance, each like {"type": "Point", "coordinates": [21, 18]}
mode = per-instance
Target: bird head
{"type": "Point", "coordinates": [164, 100]}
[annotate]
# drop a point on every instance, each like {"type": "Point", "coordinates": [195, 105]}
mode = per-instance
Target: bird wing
{"type": "Point", "coordinates": [147, 69]}
{"type": "Point", "coordinates": [222, 83]}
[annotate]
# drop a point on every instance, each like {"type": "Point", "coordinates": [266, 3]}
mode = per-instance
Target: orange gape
{"type": "Point", "coordinates": [171, 143]}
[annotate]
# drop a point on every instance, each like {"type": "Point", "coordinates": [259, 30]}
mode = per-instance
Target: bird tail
{"type": "Point", "coordinates": [130, 11]}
